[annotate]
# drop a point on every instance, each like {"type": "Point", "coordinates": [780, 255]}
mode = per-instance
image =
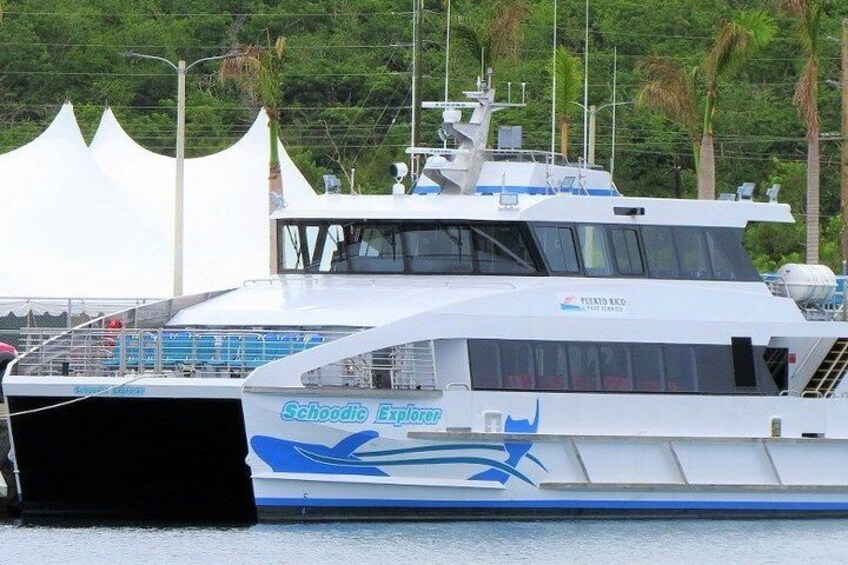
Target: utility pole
{"type": "Point", "coordinates": [179, 189]}
{"type": "Point", "coordinates": [844, 191]}
{"type": "Point", "coordinates": [593, 112]}
{"type": "Point", "coordinates": [844, 86]}
{"type": "Point", "coordinates": [179, 181]}
{"type": "Point", "coordinates": [417, 10]}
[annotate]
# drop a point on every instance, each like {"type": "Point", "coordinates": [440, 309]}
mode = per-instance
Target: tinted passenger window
{"type": "Point", "coordinates": [692, 252]}
{"type": "Point", "coordinates": [558, 247]}
{"type": "Point", "coordinates": [484, 362]}
{"type": "Point", "coordinates": [375, 249]}
{"type": "Point", "coordinates": [439, 249]}
{"type": "Point", "coordinates": [658, 243]}
{"type": "Point", "coordinates": [730, 262]}
{"type": "Point", "coordinates": [615, 367]}
{"type": "Point", "coordinates": [551, 366]}
{"type": "Point", "coordinates": [647, 368]}
{"type": "Point", "coordinates": [517, 364]}
{"type": "Point", "coordinates": [625, 247]}
{"type": "Point", "coordinates": [502, 250]}
{"type": "Point", "coordinates": [593, 248]}
{"type": "Point", "coordinates": [679, 361]}
{"type": "Point", "coordinates": [583, 366]}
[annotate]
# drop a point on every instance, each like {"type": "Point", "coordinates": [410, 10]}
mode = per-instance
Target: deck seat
{"type": "Point", "coordinates": [584, 383]}
{"type": "Point", "coordinates": [279, 345]}
{"type": "Point", "coordinates": [176, 348]}
{"type": "Point", "coordinates": [204, 349]}
{"type": "Point", "coordinates": [616, 384]}
{"type": "Point", "coordinates": [550, 382]}
{"type": "Point", "coordinates": [254, 351]}
{"type": "Point", "coordinates": [520, 382]}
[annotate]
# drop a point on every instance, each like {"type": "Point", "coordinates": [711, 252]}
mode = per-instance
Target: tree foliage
{"type": "Point", "coordinates": [345, 91]}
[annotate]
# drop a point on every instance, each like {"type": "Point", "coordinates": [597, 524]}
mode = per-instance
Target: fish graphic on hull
{"type": "Point", "coordinates": [347, 458]}
{"type": "Point", "coordinates": [296, 457]}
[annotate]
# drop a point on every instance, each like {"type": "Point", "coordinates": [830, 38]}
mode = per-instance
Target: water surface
{"type": "Point", "coordinates": [578, 541]}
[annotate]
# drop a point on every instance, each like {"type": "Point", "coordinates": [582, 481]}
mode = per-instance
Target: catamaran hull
{"type": "Point", "coordinates": [140, 458]}
{"type": "Point", "coordinates": [420, 457]}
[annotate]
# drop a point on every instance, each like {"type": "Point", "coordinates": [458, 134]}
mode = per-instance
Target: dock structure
{"type": "Point", "coordinates": [5, 466]}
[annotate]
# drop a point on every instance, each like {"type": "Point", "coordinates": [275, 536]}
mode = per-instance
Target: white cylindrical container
{"type": "Point", "coordinates": [808, 284]}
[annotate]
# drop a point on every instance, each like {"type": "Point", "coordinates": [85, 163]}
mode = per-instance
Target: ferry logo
{"type": "Point", "coordinates": [597, 304]}
{"type": "Point", "coordinates": [570, 304]}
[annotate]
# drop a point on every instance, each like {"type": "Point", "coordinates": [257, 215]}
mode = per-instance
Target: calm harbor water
{"type": "Point", "coordinates": [595, 541]}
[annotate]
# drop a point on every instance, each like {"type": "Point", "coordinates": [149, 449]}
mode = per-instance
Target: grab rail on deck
{"type": "Point", "coordinates": [409, 366]}
{"type": "Point", "coordinates": [104, 352]}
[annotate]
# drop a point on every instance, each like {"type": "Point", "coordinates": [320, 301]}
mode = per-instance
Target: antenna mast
{"type": "Point", "coordinates": [554, 86]}
{"type": "Point", "coordinates": [586, 86]}
{"type": "Point", "coordinates": [447, 53]}
{"type": "Point", "coordinates": [614, 77]}
{"type": "Point", "coordinates": [416, 79]}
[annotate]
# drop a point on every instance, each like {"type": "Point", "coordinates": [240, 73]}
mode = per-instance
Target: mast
{"type": "Point", "coordinates": [586, 86]}
{"type": "Point", "coordinates": [416, 84]}
{"type": "Point", "coordinates": [614, 77]}
{"type": "Point", "coordinates": [553, 84]}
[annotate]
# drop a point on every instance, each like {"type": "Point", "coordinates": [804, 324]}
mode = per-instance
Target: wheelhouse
{"type": "Point", "coordinates": [514, 248]}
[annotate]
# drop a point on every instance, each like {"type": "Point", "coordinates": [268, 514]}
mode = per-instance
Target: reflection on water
{"type": "Point", "coordinates": [589, 541]}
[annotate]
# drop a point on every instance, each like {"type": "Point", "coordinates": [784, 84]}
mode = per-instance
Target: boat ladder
{"type": "Point", "coordinates": [831, 371]}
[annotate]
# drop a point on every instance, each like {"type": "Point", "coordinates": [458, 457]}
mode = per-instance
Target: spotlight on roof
{"type": "Point", "coordinates": [332, 184]}
{"type": "Point", "coordinates": [773, 192]}
{"type": "Point", "coordinates": [746, 191]}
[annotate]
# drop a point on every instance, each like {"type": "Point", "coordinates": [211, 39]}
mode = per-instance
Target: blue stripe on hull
{"type": "Point", "coordinates": [611, 505]}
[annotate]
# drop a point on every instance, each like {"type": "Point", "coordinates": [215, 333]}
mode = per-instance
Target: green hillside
{"type": "Point", "coordinates": [347, 88]}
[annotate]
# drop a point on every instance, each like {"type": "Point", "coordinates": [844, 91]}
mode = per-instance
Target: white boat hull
{"type": "Point", "coordinates": [419, 455]}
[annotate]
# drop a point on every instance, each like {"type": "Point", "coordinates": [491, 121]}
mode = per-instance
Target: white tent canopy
{"type": "Point", "coordinates": [97, 221]}
{"type": "Point", "coordinates": [226, 200]}
{"type": "Point", "coordinates": [65, 229]}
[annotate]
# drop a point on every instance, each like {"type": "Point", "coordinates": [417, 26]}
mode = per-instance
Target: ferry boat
{"type": "Point", "coordinates": [457, 356]}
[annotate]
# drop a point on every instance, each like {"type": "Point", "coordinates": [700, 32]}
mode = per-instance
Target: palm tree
{"type": "Point", "coordinates": [808, 18]}
{"type": "Point", "coordinates": [259, 72]}
{"type": "Point", "coordinates": [671, 88]}
{"type": "Point", "coordinates": [498, 37]}
{"type": "Point", "coordinates": [569, 78]}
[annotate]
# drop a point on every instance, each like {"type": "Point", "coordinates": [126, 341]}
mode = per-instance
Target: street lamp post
{"type": "Point", "coordinates": [592, 111]}
{"type": "Point", "coordinates": [179, 182]}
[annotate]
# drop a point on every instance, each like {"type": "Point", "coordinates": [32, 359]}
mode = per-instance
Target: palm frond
{"type": "Point", "coordinates": [669, 89]}
{"type": "Point", "coordinates": [807, 14]}
{"type": "Point", "coordinates": [471, 36]}
{"type": "Point", "coordinates": [806, 95]}
{"type": "Point", "coordinates": [736, 40]}
{"type": "Point", "coordinates": [506, 28]}
{"type": "Point", "coordinates": [569, 78]}
{"type": "Point", "coordinates": [258, 70]}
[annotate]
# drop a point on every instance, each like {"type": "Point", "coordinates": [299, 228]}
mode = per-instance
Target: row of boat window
{"type": "Point", "coordinates": [605, 367]}
{"type": "Point", "coordinates": [596, 250]}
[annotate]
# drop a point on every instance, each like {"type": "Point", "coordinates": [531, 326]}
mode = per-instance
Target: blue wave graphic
{"type": "Point", "coordinates": [346, 457]}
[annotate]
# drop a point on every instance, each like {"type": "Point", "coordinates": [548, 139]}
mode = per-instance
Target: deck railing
{"type": "Point", "coordinates": [103, 352]}
{"type": "Point", "coordinates": [408, 366]}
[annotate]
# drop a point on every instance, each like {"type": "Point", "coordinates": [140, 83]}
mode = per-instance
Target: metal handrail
{"type": "Point", "coordinates": [407, 366]}
{"type": "Point", "coordinates": [186, 352]}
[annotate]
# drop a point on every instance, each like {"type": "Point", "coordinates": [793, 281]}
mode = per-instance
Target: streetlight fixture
{"type": "Point", "coordinates": [592, 111]}
{"type": "Point", "coordinates": [181, 68]}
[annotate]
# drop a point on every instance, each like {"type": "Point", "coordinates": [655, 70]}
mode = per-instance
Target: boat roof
{"type": "Point", "coordinates": [537, 208]}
